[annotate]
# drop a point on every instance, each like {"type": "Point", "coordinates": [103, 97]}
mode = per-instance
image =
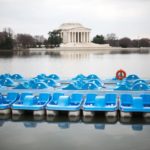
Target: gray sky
{"type": "Point", "coordinates": [124, 17]}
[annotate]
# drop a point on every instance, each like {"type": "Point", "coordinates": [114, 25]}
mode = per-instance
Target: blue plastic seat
{"type": "Point", "coordinates": [90, 99]}
{"type": "Point", "coordinates": [75, 99]}
{"type": "Point", "coordinates": [55, 98]}
{"type": "Point", "coordinates": [12, 96]}
{"type": "Point", "coordinates": [42, 98]}
{"type": "Point", "coordinates": [146, 100]}
{"type": "Point", "coordinates": [28, 100]}
{"type": "Point", "coordinates": [126, 100]}
{"type": "Point", "coordinates": [100, 101]}
{"type": "Point", "coordinates": [111, 99]}
{"type": "Point", "coordinates": [138, 102]}
{"type": "Point", "coordinates": [63, 100]}
{"type": "Point", "coordinates": [23, 95]}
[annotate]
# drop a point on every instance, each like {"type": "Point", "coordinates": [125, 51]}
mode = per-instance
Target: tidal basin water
{"type": "Point", "coordinates": [61, 133]}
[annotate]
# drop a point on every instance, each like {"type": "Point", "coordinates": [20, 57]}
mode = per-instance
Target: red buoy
{"type": "Point", "coordinates": [120, 74]}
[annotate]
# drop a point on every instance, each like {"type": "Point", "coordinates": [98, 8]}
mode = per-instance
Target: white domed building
{"type": "Point", "coordinates": [76, 35]}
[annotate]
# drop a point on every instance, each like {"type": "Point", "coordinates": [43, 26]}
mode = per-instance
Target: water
{"type": "Point", "coordinates": [71, 64]}
{"type": "Point", "coordinates": [60, 133]}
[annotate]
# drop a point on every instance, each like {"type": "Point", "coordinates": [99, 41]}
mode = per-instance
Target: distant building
{"type": "Point", "coordinates": [74, 33]}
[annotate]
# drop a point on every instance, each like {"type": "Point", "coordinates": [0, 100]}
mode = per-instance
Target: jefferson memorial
{"type": "Point", "coordinates": [76, 35]}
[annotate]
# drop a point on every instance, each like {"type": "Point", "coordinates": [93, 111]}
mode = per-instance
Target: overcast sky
{"type": "Point", "coordinates": [124, 17]}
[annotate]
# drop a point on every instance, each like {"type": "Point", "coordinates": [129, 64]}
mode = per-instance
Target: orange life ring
{"type": "Point", "coordinates": [120, 74]}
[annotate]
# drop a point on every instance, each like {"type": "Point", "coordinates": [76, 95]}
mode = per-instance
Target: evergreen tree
{"type": "Point", "coordinates": [99, 39]}
{"type": "Point", "coordinates": [54, 39]}
{"type": "Point", "coordinates": [6, 40]}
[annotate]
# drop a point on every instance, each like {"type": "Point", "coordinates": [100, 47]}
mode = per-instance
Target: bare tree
{"type": "Point", "coordinates": [25, 40]}
{"type": "Point", "coordinates": [144, 42]}
{"type": "Point", "coordinates": [112, 39]}
{"type": "Point", "coordinates": [39, 40]}
{"type": "Point", "coordinates": [125, 42]}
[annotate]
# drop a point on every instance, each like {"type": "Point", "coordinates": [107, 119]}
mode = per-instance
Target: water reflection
{"type": "Point", "coordinates": [27, 53]}
{"type": "Point", "coordinates": [128, 51]}
{"type": "Point", "coordinates": [74, 54]}
{"type": "Point", "coordinates": [63, 125]}
{"type": "Point", "coordinates": [4, 119]}
{"type": "Point", "coordinates": [63, 122]}
{"type": "Point", "coordinates": [99, 126]}
{"type": "Point", "coordinates": [5, 54]}
{"type": "Point", "coordinates": [137, 127]}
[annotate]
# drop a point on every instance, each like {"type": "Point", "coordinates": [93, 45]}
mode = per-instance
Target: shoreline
{"type": "Point", "coordinates": [104, 50]}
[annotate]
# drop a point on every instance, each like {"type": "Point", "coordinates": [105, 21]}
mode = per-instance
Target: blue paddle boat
{"type": "Point", "coordinates": [105, 103]}
{"type": "Point", "coordinates": [129, 103]}
{"type": "Point", "coordinates": [16, 77]}
{"type": "Point", "coordinates": [29, 101]}
{"type": "Point", "coordinates": [6, 101]}
{"type": "Point", "coordinates": [62, 102]}
{"type": "Point", "coordinates": [53, 76]}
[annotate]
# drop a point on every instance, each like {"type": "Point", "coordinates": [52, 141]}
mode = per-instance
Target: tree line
{"type": "Point", "coordinates": [125, 42]}
{"type": "Point", "coordinates": [9, 41]}
{"type": "Point", "coordinates": [24, 41]}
